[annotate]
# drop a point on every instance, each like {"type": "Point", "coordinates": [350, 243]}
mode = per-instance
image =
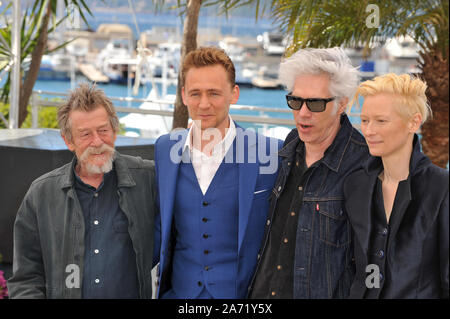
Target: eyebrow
{"type": "Point", "coordinates": [87, 129]}
{"type": "Point", "coordinates": [208, 90]}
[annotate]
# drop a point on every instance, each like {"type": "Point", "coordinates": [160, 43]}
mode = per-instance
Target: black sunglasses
{"type": "Point", "coordinates": [314, 105]}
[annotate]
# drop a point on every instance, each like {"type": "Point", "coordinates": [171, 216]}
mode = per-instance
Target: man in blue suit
{"type": "Point", "coordinates": [214, 183]}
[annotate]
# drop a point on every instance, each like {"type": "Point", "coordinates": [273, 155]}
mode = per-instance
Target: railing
{"type": "Point", "coordinates": [37, 101]}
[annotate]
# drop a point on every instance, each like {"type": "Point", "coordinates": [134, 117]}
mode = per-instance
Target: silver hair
{"type": "Point", "coordinates": [333, 61]}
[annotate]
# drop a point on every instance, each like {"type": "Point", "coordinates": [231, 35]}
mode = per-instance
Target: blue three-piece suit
{"type": "Point", "coordinates": [207, 244]}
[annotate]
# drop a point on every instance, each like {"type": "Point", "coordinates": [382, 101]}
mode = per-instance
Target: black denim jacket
{"type": "Point", "coordinates": [323, 265]}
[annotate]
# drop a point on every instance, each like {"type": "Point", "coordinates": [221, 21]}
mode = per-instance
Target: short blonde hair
{"type": "Point", "coordinates": [85, 98]}
{"type": "Point", "coordinates": [409, 92]}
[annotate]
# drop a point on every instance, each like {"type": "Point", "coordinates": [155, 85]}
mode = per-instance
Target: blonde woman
{"type": "Point", "coordinates": [398, 203]}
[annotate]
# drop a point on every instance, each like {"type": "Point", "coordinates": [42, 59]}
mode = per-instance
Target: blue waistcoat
{"type": "Point", "coordinates": [241, 190]}
{"type": "Point", "coordinates": [205, 255]}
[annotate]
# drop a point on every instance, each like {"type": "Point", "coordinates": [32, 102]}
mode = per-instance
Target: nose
{"type": "Point", "coordinates": [204, 102]}
{"type": "Point", "coordinates": [303, 112]}
{"type": "Point", "coordinates": [96, 140]}
{"type": "Point", "coordinates": [367, 129]}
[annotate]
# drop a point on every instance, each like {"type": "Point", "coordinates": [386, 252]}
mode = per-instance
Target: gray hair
{"type": "Point", "coordinates": [333, 61]}
{"type": "Point", "coordinates": [85, 98]}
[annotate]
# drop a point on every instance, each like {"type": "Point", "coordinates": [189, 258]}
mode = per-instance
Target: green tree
{"type": "Point", "coordinates": [35, 27]}
{"type": "Point", "coordinates": [328, 23]}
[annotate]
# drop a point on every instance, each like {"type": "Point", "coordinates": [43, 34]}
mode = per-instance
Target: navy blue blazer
{"type": "Point", "coordinates": [256, 182]}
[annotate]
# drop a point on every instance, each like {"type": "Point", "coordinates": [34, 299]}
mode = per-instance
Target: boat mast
{"type": "Point", "coordinates": [15, 75]}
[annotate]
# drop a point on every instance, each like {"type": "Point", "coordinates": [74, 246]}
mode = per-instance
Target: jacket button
{"type": "Point", "coordinates": [205, 203]}
{"type": "Point", "coordinates": [204, 219]}
{"type": "Point", "coordinates": [380, 253]}
{"type": "Point", "coordinates": [384, 231]}
{"type": "Point", "coordinates": [205, 236]}
{"type": "Point", "coordinates": [207, 268]}
{"type": "Point", "coordinates": [279, 188]}
{"type": "Point", "coordinates": [268, 222]}
{"type": "Point", "coordinates": [199, 283]}
{"type": "Point", "coordinates": [206, 252]}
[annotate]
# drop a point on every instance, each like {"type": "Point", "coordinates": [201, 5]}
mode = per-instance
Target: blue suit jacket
{"type": "Point", "coordinates": [256, 181]}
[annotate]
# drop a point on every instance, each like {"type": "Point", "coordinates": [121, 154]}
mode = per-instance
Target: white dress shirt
{"type": "Point", "coordinates": [206, 166]}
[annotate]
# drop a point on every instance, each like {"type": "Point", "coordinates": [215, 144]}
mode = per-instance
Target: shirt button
{"type": "Point", "coordinates": [95, 222]}
{"type": "Point", "coordinates": [279, 267]}
{"type": "Point", "coordinates": [273, 293]}
{"type": "Point", "coordinates": [384, 231]}
{"type": "Point", "coordinates": [268, 222]}
{"type": "Point", "coordinates": [97, 281]}
{"type": "Point", "coordinates": [96, 251]}
{"type": "Point", "coordinates": [259, 256]}
{"type": "Point", "coordinates": [285, 240]}
{"type": "Point", "coordinates": [96, 195]}
{"type": "Point", "coordinates": [300, 188]}
{"type": "Point", "coordinates": [292, 213]}
{"type": "Point", "coordinates": [279, 188]}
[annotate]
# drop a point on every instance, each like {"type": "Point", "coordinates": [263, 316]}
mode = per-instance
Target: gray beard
{"type": "Point", "coordinates": [94, 169]}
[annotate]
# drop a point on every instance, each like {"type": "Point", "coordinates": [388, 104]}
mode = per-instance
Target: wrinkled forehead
{"type": "Point", "coordinates": [94, 118]}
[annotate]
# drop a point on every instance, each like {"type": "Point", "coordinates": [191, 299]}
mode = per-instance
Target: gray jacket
{"type": "Point", "coordinates": [49, 231]}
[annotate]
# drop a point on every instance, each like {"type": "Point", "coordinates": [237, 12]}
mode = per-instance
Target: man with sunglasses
{"type": "Point", "coordinates": [306, 251]}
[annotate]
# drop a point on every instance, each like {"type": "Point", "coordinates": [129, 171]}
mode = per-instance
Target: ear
{"type": "Point", "coordinates": [342, 105]}
{"type": "Point", "coordinates": [235, 95]}
{"type": "Point", "coordinates": [415, 122]}
{"type": "Point", "coordinates": [115, 137]}
{"type": "Point", "coordinates": [183, 96]}
{"type": "Point", "coordinates": [70, 145]}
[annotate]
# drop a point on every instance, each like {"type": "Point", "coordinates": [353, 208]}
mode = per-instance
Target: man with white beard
{"type": "Point", "coordinates": [85, 230]}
